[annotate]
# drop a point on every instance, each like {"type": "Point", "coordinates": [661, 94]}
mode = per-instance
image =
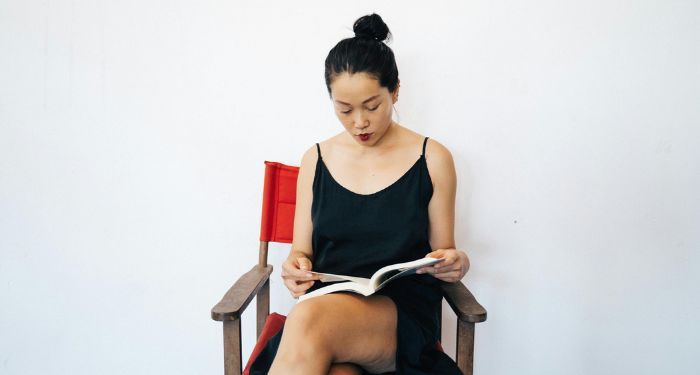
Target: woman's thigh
{"type": "Point", "coordinates": [354, 328]}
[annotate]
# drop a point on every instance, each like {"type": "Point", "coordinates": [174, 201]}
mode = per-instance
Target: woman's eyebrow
{"type": "Point", "coordinates": [368, 99]}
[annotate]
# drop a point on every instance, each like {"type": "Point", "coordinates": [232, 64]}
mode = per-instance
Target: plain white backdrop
{"type": "Point", "coordinates": [133, 135]}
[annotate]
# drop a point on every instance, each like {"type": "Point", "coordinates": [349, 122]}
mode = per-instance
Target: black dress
{"type": "Point", "coordinates": [356, 234]}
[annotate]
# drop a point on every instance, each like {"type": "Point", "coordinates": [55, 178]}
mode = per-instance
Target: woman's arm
{"type": "Point", "coordinates": [441, 212]}
{"type": "Point", "coordinates": [298, 262]}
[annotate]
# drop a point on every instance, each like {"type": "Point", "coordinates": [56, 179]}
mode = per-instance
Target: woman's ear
{"type": "Point", "coordinates": [395, 94]}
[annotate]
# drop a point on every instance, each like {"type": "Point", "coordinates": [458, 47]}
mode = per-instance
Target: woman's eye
{"type": "Point", "coordinates": [369, 109]}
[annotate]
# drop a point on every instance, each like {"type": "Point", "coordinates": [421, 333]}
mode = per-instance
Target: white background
{"type": "Point", "coordinates": [133, 135]}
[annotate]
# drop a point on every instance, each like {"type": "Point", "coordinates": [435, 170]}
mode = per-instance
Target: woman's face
{"type": "Point", "coordinates": [363, 106]}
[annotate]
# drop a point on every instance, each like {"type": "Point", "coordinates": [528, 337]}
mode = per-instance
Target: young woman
{"type": "Point", "coordinates": [375, 194]}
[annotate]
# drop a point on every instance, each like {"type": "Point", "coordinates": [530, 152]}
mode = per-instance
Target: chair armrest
{"type": "Point", "coordinates": [241, 293]}
{"type": "Point", "coordinates": [463, 302]}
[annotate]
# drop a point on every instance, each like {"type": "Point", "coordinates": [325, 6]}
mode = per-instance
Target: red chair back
{"type": "Point", "coordinates": [279, 200]}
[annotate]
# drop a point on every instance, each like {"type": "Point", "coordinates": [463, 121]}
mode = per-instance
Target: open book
{"type": "Point", "coordinates": [365, 286]}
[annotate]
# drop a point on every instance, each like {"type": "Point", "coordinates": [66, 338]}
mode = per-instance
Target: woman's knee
{"type": "Point", "coordinates": [307, 322]}
{"type": "Point", "coordinates": [302, 340]}
{"type": "Point", "coordinates": [306, 315]}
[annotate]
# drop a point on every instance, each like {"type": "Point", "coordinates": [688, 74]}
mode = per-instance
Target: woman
{"type": "Point", "coordinates": [364, 201]}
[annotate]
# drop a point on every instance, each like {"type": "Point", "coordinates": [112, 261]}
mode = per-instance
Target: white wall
{"type": "Point", "coordinates": [132, 136]}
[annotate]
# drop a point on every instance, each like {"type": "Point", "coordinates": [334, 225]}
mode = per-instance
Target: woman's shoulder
{"type": "Point", "coordinates": [437, 152]}
{"type": "Point", "coordinates": [440, 163]}
{"type": "Point", "coordinates": [311, 155]}
{"type": "Point", "coordinates": [312, 152]}
{"type": "Point", "coordinates": [309, 158]}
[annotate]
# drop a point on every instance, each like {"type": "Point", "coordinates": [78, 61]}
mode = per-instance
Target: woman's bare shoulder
{"type": "Point", "coordinates": [327, 146]}
{"type": "Point", "coordinates": [310, 156]}
{"type": "Point", "coordinates": [436, 150]}
{"type": "Point", "coordinates": [440, 162]}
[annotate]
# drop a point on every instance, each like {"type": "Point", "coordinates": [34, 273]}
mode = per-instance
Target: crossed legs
{"type": "Point", "coordinates": [336, 330]}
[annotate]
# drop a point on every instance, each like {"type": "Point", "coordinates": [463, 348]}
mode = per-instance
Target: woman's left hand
{"type": "Point", "coordinates": [453, 268]}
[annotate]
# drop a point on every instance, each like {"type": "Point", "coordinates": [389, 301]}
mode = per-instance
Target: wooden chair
{"type": "Point", "coordinates": [279, 198]}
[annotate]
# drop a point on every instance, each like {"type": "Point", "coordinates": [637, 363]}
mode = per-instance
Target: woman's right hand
{"type": "Point", "coordinates": [296, 274]}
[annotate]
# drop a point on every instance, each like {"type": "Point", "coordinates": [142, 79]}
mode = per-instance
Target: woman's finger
{"type": "Point", "coordinates": [302, 286]}
{"type": "Point", "coordinates": [449, 277]}
{"type": "Point", "coordinates": [296, 286]}
{"type": "Point", "coordinates": [293, 273]}
{"type": "Point", "coordinates": [303, 278]}
{"type": "Point", "coordinates": [449, 260]}
{"type": "Point", "coordinates": [439, 253]}
{"type": "Point", "coordinates": [298, 293]}
{"type": "Point", "coordinates": [457, 268]}
{"type": "Point", "coordinates": [434, 270]}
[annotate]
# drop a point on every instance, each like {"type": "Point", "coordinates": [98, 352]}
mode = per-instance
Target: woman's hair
{"type": "Point", "coordinates": [365, 52]}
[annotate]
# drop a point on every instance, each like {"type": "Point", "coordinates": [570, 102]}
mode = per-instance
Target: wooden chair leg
{"type": "Point", "coordinates": [232, 347]}
{"type": "Point", "coordinates": [263, 305]}
{"type": "Point", "coordinates": [465, 346]}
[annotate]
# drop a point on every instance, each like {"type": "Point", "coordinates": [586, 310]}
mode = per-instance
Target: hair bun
{"type": "Point", "coordinates": [371, 27]}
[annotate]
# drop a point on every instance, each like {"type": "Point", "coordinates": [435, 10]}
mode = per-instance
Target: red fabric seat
{"type": "Point", "coordinates": [273, 324]}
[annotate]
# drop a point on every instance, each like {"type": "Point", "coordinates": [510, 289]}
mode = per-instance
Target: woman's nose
{"type": "Point", "coordinates": [361, 127]}
{"type": "Point", "coordinates": [360, 122]}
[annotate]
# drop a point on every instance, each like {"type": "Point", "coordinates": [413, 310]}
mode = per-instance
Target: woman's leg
{"type": "Point", "coordinates": [345, 369]}
{"type": "Point", "coordinates": [337, 328]}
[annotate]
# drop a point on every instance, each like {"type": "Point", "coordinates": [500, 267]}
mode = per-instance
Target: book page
{"type": "Point", "coordinates": [391, 272]}
{"type": "Point", "coordinates": [329, 277]}
{"type": "Point", "coordinates": [346, 286]}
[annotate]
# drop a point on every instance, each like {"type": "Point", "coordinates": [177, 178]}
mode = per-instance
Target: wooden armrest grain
{"type": "Point", "coordinates": [463, 303]}
{"type": "Point", "coordinates": [241, 293]}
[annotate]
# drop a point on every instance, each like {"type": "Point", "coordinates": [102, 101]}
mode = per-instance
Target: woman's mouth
{"type": "Point", "coordinates": [365, 136]}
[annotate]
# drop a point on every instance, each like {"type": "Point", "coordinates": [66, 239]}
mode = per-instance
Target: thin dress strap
{"type": "Point", "coordinates": [424, 143]}
{"type": "Point", "coordinates": [319, 151]}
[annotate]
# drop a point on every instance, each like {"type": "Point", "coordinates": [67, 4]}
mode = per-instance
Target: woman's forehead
{"type": "Point", "coordinates": [355, 88]}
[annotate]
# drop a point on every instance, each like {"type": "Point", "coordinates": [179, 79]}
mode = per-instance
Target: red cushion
{"type": "Point", "coordinates": [273, 324]}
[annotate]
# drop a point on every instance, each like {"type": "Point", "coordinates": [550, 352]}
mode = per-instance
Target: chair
{"type": "Point", "coordinates": [279, 199]}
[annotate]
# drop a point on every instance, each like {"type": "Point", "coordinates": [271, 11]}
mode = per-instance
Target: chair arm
{"type": "Point", "coordinates": [241, 293]}
{"type": "Point", "coordinates": [462, 302]}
